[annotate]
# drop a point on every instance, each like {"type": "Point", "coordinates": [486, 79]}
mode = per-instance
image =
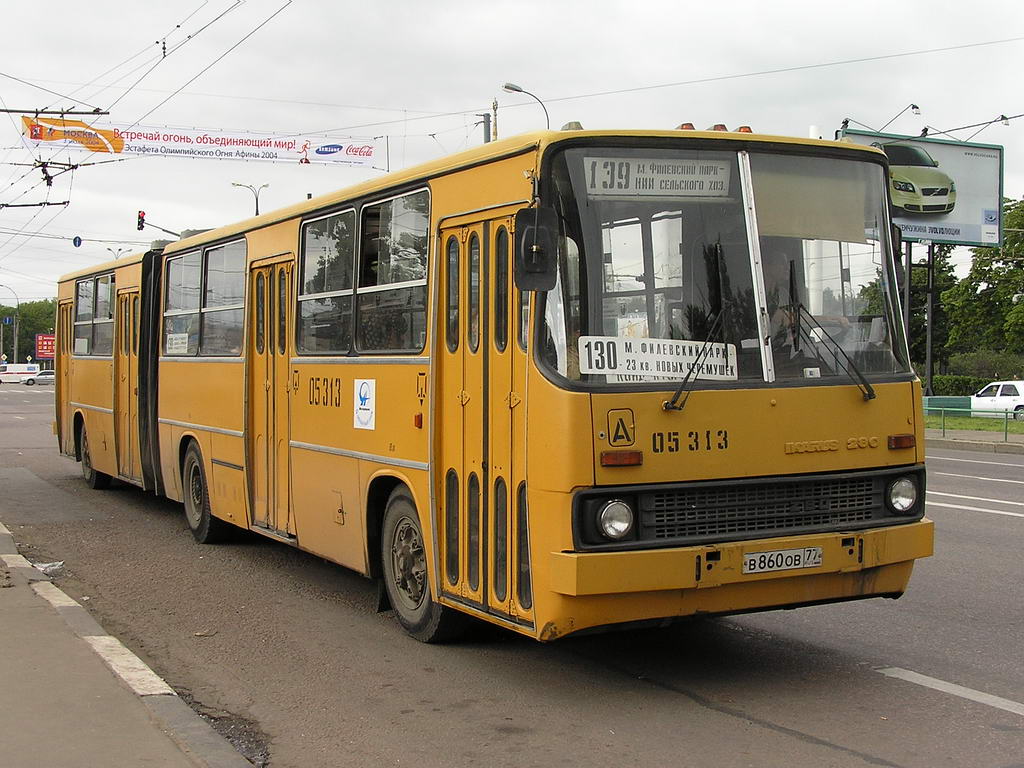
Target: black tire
{"type": "Point", "coordinates": [1018, 413]}
{"type": "Point", "coordinates": [95, 479]}
{"type": "Point", "coordinates": [30, 382]}
{"type": "Point", "coordinates": [206, 529]}
{"type": "Point", "coordinates": [406, 575]}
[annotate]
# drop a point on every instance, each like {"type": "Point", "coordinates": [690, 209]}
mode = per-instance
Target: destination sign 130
{"type": "Point", "coordinates": [656, 177]}
{"type": "Point", "coordinates": [633, 359]}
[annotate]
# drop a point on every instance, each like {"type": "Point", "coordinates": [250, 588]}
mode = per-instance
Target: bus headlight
{"type": "Point", "coordinates": [902, 495]}
{"type": "Point", "coordinates": [615, 520]}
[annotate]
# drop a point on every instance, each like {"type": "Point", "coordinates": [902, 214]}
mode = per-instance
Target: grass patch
{"type": "Point", "coordinates": [955, 420]}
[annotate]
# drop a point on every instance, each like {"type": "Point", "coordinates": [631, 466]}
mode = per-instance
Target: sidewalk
{"type": "Point", "coordinates": [72, 695]}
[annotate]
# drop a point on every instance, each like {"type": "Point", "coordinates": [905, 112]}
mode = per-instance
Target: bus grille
{"type": "Point", "coordinates": [728, 511]}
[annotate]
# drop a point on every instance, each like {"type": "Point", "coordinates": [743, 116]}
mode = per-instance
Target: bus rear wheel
{"type": "Point", "coordinates": [406, 576]}
{"type": "Point", "coordinates": [206, 529]}
{"type": "Point", "coordinates": [93, 477]}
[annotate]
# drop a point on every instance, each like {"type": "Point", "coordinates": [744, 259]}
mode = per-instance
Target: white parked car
{"type": "Point", "coordinates": [998, 398]}
{"type": "Point", "coordinates": [43, 377]}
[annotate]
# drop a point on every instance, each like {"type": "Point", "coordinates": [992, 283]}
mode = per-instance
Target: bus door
{"type": "Point", "coordinates": [482, 380]}
{"type": "Point", "coordinates": [268, 420]}
{"type": "Point", "coordinates": [126, 377]}
{"type": "Point", "coordinates": [65, 333]}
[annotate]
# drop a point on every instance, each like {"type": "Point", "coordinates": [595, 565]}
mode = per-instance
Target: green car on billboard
{"type": "Point", "coordinates": [915, 182]}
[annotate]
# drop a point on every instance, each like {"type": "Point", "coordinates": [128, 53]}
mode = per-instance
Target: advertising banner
{"type": "Point", "coordinates": [942, 191]}
{"type": "Point", "coordinates": [143, 141]}
{"type": "Point", "coordinates": [46, 344]}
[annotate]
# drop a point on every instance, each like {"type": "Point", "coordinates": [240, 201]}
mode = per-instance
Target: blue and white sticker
{"type": "Point", "coordinates": [364, 399]}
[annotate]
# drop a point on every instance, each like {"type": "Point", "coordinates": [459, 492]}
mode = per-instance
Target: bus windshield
{"type": "Point", "coordinates": [671, 267]}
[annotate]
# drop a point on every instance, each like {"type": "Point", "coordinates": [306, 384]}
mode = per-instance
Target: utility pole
{"type": "Point", "coordinates": [494, 109]}
{"type": "Point", "coordinates": [487, 125]}
{"type": "Point", "coordinates": [17, 312]}
{"type": "Point", "coordinates": [931, 318]}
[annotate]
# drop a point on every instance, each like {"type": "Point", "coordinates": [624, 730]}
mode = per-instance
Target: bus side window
{"type": "Point", "coordinates": [260, 314]}
{"type": "Point", "coordinates": [324, 317]}
{"type": "Point", "coordinates": [501, 289]}
{"type": "Point", "coordinates": [392, 292]}
{"type": "Point", "coordinates": [452, 295]}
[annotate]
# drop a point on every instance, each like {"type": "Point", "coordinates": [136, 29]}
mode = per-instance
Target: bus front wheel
{"type": "Point", "coordinates": [206, 529]}
{"type": "Point", "coordinates": [406, 579]}
{"type": "Point", "coordinates": [93, 477]}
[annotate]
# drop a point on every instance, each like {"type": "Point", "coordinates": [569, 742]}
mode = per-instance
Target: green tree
{"type": "Point", "coordinates": [870, 296]}
{"type": "Point", "coordinates": [987, 307]}
{"type": "Point", "coordinates": [33, 317]}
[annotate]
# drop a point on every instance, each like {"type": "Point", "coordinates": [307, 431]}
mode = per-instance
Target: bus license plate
{"type": "Point", "coordinates": [781, 560]}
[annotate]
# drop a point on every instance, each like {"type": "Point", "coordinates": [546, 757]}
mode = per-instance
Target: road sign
{"type": "Point", "coordinates": [45, 346]}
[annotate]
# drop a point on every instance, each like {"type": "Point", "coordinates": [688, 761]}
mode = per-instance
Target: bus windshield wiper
{"type": "Point", "coordinates": [846, 363]}
{"type": "Point", "coordinates": [702, 353]}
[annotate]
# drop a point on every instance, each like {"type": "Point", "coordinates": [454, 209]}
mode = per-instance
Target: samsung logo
{"type": "Point", "coordinates": [329, 149]}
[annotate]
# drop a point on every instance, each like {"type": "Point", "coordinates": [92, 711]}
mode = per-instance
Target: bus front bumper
{"type": "Point", "coordinates": [578, 574]}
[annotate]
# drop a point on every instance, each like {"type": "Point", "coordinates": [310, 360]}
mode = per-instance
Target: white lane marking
{"type": "Point", "coordinates": [20, 417]}
{"type": "Point", "coordinates": [15, 561]}
{"type": "Point", "coordinates": [975, 509]}
{"type": "Point", "coordinates": [976, 461]}
{"type": "Point", "coordinates": [53, 595]}
{"type": "Point", "coordinates": [4, 531]}
{"type": "Point", "coordinates": [976, 477]}
{"type": "Point", "coordinates": [976, 498]}
{"type": "Point", "coordinates": [129, 667]}
{"type": "Point", "coordinates": [957, 690]}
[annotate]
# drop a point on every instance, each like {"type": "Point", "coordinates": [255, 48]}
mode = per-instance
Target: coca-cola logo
{"type": "Point", "coordinates": [366, 150]}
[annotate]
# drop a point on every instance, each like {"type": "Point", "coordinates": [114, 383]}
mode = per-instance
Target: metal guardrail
{"type": "Point", "coordinates": [1007, 417]}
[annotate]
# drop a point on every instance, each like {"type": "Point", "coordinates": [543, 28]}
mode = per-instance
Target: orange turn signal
{"type": "Point", "coordinates": [901, 441]}
{"type": "Point", "coordinates": [744, 129]}
{"type": "Point", "coordinates": [684, 127]}
{"type": "Point", "coordinates": [622, 458]}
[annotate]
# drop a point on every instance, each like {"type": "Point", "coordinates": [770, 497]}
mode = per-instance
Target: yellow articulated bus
{"type": "Point", "coordinates": [560, 382]}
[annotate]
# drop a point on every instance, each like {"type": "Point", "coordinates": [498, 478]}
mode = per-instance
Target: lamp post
{"type": "Point", "coordinates": [17, 312]}
{"type": "Point", "coordinates": [255, 192]}
{"type": "Point", "coordinates": [513, 88]}
{"type": "Point", "coordinates": [118, 252]}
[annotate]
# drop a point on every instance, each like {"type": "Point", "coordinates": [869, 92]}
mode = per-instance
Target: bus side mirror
{"type": "Point", "coordinates": [536, 249]}
{"type": "Point", "coordinates": [897, 241]}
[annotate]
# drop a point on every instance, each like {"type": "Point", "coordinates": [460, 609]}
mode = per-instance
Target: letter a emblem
{"type": "Point", "coordinates": [620, 428]}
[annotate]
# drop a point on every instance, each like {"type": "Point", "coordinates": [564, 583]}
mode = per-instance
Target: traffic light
{"type": "Point", "coordinates": [142, 220]}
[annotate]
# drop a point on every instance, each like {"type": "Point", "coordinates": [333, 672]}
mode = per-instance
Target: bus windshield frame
{"type": "Point", "coordinates": [740, 265]}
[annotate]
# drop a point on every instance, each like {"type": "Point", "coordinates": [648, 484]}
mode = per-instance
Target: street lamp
{"type": "Point", "coordinates": [513, 88]}
{"type": "Point", "coordinates": [17, 312]}
{"type": "Point", "coordinates": [118, 252]}
{"type": "Point", "coordinates": [255, 192]}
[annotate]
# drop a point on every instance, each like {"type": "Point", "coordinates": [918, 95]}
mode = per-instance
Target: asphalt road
{"type": "Point", "coordinates": [287, 653]}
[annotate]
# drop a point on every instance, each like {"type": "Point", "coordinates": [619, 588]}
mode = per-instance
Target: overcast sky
{"type": "Point", "coordinates": [401, 69]}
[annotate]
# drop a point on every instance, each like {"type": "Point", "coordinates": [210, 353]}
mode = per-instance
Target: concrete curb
{"type": "Point", "coordinates": [200, 743]}
{"type": "Point", "coordinates": [974, 445]}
